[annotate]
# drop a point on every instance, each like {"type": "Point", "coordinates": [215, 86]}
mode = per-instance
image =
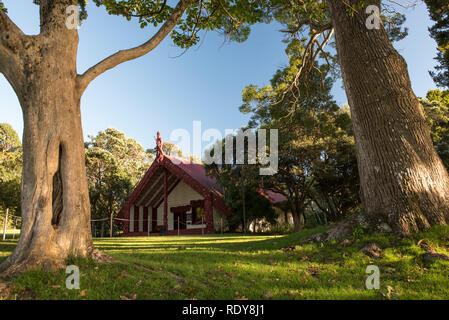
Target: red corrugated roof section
{"type": "Point", "coordinates": [198, 172]}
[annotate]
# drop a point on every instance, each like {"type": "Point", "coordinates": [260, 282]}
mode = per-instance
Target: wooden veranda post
{"type": "Point", "coordinates": [4, 225]}
{"type": "Point", "coordinates": [13, 228]}
{"type": "Point", "coordinates": [165, 202]}
{"type": "Point", "coordinates": [110, 229]}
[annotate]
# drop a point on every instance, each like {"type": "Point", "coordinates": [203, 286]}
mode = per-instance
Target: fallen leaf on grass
{"type": "Point", "coordinates": [131, 297]}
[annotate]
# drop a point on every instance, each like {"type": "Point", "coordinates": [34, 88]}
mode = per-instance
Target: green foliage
{"type": "Point", "coordinates": [439, 13]}
{"type": "Point", "coordinates": [241, 186]}
{"type": "Point", "coordinates": [358, 232]}
{"type": "Point", "coordinates": [114, 166]}
{"type": "Point", "coordinates": [10, 169]}
{"type": "Point", "coordinates": [317, 163]}
{"type": "Point", "coordinates": [393, 24]}
{"type": "Point", "coordinates": [171, 149]}
{"type": "Point", "coordinates": [2, 7]}
{"type": "Point", "coordinates": [436, 110]}
{"type": "Point", "coordinates": [232, 18]}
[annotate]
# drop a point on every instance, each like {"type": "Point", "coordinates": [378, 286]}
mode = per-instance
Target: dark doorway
{"type": "Point", "coordinates": [182, 218]}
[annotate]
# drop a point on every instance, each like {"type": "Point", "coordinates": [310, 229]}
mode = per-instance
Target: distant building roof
{"type": "Point", "coordinates": [149, 191]}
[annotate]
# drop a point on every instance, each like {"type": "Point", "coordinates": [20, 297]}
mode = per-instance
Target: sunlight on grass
{"type": "Point", "coordinates": [246, 267]}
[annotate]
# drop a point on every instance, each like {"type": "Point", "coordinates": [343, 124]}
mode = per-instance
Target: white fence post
{"type": "Point", "coordinates": [14, 228]}
{"type": "Point", "coordinates": [4, 225]}
{"type": "Point", "coordinates": [178, 225]}
{"type": "Point", "coordinates": [110, 229]}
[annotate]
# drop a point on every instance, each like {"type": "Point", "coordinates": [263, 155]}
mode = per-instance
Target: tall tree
{"type": "Point", "coordinates": [404, 184]}
{"type": "Point", "coordinates": [10, 169]}
{"type": "Point", "coordinates": [439, 12]}
{"type": "Point", "coordinates": [436, 109]}
{"type": "Point", "coordinates": [115, 164]}
{"type": "Point", "coordinates": [241, 185]}
{"type": "Point", "coordinates": [312, 130]}
{"type": "Point", "coordinates": [42, 71]}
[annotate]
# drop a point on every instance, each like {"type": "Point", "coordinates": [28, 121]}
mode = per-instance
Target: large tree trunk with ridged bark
{"type": "Point", "coordinates": [405, 186]}
{"type": "Point", "coordinates": [55, 201]}
{"type": "Point", "coordinates": [42, 71]}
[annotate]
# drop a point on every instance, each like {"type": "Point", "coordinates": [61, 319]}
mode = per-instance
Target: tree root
{"type": "Point", "coordinates": [342, 230]}
{"type": "Point", "coordinates": [10, 269]}
{"type": "Point", "coordinates": [431, 255]}
{"type": "Point", "coordinates": [101, 257]}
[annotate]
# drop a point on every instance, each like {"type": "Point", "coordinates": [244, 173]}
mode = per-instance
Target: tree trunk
{"type": "Point", "coordinates": [405, 186]}
{"type": "Point", "coordinates": [55, 200]}
{"type": "Point", "coordinates": [286, 217]}
{"type": "Point", "coordinates": [296, 219]}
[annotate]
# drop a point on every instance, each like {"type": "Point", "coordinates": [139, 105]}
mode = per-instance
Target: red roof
{"type": "Point", "coordinates": [274, 197]}
{"type": "Point", "coordinates": [195, 175]}
{"type": "Point", "coordinates": [198, 171]}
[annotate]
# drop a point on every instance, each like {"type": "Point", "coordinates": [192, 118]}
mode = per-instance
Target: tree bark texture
{"type": "Point", "coordinates": [42, 71]}
{"type": "Point", "coordinates": [55, 200]}
{"type": "Point", "coordinates": [405, 187]}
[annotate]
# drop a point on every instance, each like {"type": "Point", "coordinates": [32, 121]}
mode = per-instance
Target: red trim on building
{"type": "Point", "coordinates": [180, 209]}
{"type": "Point", "coordinates": [165, 201]}
{"type": "Point", "coordinates": [194, 175]}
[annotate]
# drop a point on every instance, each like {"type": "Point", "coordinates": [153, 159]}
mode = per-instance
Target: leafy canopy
{"type": "Point", "coordinates": [114, 165]}
{"type": "Point", "coordinates": [10, 168]}
{"type": "Point", "coordinates": [230, 17]}
{"type": "Point", "coordinates": [439, 12]}
{"type": "Point", "coordinates": [436, 110]}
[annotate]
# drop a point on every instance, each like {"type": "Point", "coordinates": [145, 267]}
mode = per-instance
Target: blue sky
{"type": "Point", "coordinates": [161, 91]}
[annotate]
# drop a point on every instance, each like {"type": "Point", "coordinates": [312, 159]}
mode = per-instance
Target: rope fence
{"type": "Point", "coordinates": [16, 220]}
{"type": "Point", "coordinates": [180, 223]}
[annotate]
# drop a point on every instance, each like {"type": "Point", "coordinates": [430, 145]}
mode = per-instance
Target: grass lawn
{"type": "Point", "coordinates": [246, 267]}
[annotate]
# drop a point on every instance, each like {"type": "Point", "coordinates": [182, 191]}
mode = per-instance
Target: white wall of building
{"type": "Point", "coordinates": [180, 196]}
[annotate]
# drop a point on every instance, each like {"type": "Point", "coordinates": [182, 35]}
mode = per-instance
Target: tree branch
{"type": "Point", "coordinates": [133, 53]}
{"type": "Point", "coordinates": [150, 13]}
{"type": "Point", "coordinates": [11, 44]}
